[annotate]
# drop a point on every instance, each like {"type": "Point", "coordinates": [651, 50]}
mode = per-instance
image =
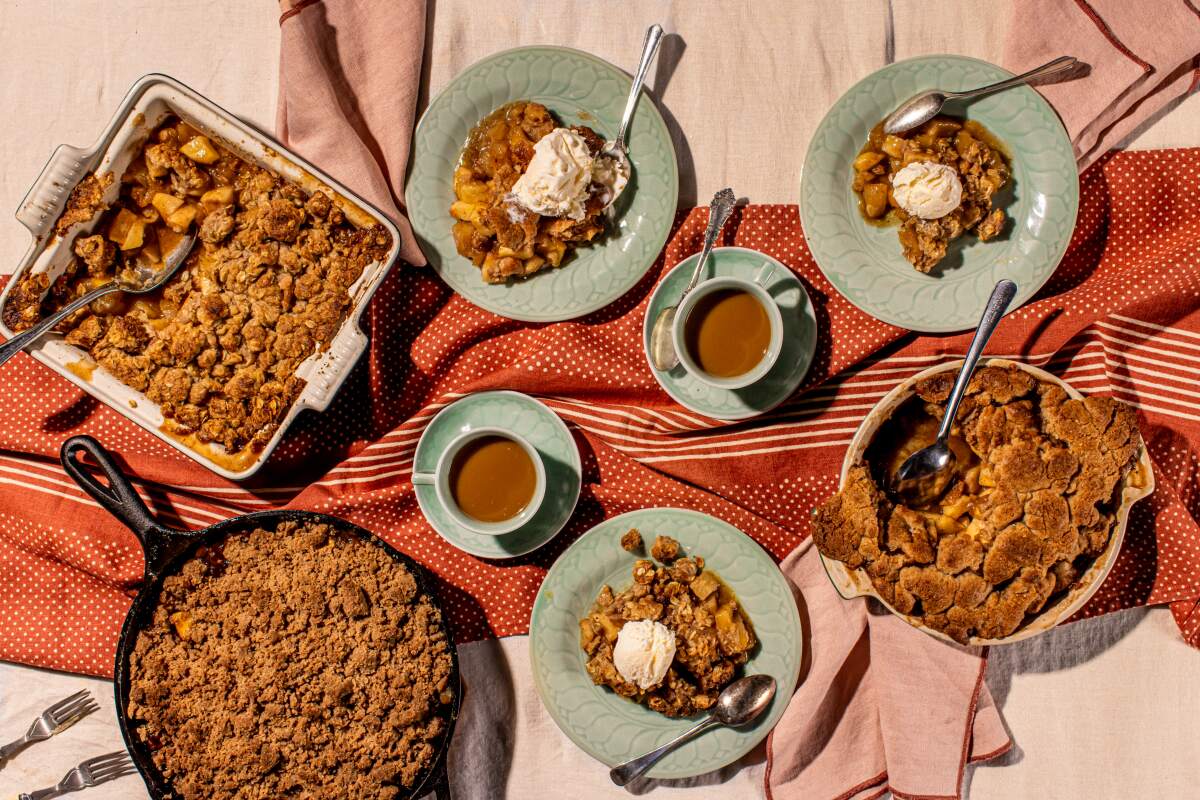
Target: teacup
{"type": "Point", "coordinates": [716, 316]}
{"type": "Point", "coordinates": [479, 478]}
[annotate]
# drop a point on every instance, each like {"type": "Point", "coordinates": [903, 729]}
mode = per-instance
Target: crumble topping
{"type": "Point", "coordinates": [295, 662]}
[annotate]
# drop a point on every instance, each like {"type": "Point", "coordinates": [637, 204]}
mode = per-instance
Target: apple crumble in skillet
{"type": "Point", "coordinates": [295, 662]}
{"type": "Point", "coordinates": [1031, 502]}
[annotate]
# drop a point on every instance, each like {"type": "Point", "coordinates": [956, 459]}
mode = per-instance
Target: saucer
{"type": "Point", "coordinates": [543, 429]}
{"type": "Point", "coordinates": [799, 337]}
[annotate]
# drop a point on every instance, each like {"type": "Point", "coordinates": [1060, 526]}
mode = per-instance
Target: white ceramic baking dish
{"type": "Point", "coordinates": [149, 100]}
{"type": "Point", "coordinates": [1138, 484]}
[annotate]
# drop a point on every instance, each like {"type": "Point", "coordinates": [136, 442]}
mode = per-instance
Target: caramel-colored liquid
{"type": "Point", "coordinates": [728, 333]}
{"type": "Point", "coordinates": [492, 479]}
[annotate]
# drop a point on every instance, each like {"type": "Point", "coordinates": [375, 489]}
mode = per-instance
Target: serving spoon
{"type": "Point", "coordinates": [662, 348]}
{"type": "Point", "coordinates": [742, 702]}
{"type": "Point", "coordinates": [922, 468]}
{"type": "Point", "coordinates": [920, 108]}
{"type": "Point", "coordinates": [617, 149]}
{"type": "Point", "coordinates": [142, 281]}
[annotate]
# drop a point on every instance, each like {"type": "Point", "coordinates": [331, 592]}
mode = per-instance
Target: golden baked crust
{"type": "Point", "coordinates": [264, 288]}
{"type": "Point", "coordinates": [713, 635]}
{"type": "Point", "coordinates": [966, 146]}
{"type": "Point", "coordinates": [1032, 502]}
{"type": "Point", "coordinates": [502, 239]}
{"type": "Point", "coordinates": [295, 662]}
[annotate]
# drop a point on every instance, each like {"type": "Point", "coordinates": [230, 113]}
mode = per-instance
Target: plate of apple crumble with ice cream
{"type": "Point", "coordinates": [916, 229]}
{"type": "Point", "coordinates": [515, 202]}
{"type": "Point", "coordinates": [643, 621]}
{"type": "Point", "coordinates": [1017, 534]}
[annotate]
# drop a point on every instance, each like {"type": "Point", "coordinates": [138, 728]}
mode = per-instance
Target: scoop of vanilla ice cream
{"type": "Point", "coordinates": [644, 651]}
{"type": "Point", "coordinates": [556, 182]}
{"type": "Point", "coordinates": [927, 189]}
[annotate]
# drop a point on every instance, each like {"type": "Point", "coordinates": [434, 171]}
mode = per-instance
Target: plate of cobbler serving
{"type": "Point", "coordinates": [915, 229]}
{"type": "Point", "coordinates": [643, 621]}
{"type": "Point", "coordinates": [511, 196]}
{"type": "Point", "coordinates": [1017, 535]}
{"type": "Point", "coordinates": [260, 321]}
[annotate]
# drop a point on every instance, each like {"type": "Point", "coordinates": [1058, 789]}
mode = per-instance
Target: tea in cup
{"type": "Point", "coordinates": [728, 331]}
{"type": "Point", "coordinates": [491, 481]}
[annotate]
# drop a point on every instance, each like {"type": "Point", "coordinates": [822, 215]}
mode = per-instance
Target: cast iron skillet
{"type": "Point", "coordinates": [166, 548]}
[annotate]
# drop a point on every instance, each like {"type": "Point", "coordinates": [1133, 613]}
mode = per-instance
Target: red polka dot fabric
{"type": "Point", "coordinates": [1121, 316]}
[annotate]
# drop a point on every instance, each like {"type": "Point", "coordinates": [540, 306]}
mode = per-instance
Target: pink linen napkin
{"type": "Point", "coordinates": [880, 706]}
{"type": "Point", "coordinates": [1142, 56]}
{"type": "Point", "coordinates": [349, 73]}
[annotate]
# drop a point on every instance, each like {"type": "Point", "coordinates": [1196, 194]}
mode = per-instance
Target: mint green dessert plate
{"type": "Point", "coordinates": [799, 336]}
{"type": "Point", "coordinates": [864, 261]}
{"type": "Point", "coordinates": [538, 425]}
{"type": "Point", "coordinates": [579, 89]}
{"type": "Point", "coordinates": [613, 729]}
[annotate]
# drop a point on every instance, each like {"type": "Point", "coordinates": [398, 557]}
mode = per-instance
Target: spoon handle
{"type": "Point", "coordinates": [25, 338]}
{"type": "Point", "coordinates": [1060, 64]}
{"type": "Point", "coordinates": [654, 35]}
{"type": "Point", "coordinates": [718, 213]}
{"type": "Point", "coordinates": [624, 773]}
{"type": "Point", "coordinates": [997, 304]}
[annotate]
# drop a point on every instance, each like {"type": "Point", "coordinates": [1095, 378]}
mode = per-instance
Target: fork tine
{"type": "Point", "coordinates": [107, 759]}
{"type": "Point", "coordinates": [52, 710]}
{"type": "Point", "coordinates": [109, 773]}
{"type": "Point", "coordinates": [75, 713]}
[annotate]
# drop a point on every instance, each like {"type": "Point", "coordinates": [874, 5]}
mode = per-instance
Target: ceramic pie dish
{"type": "Point", "coordinates": [150, 100]}
{"type": "Point", "coordinates": [1139, 483]}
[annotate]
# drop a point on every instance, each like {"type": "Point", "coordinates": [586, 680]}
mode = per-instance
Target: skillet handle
{"type": "Point", "coordinates": [119, 498]}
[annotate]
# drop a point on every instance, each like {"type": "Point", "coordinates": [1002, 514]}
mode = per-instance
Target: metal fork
{"type": "Point", "coordinates": [54, 719]}
{"type": "Point", "coordinates": [92, 772]}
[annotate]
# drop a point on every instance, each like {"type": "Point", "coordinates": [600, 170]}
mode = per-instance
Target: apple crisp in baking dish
{"type": "Point", "coordinates": [266, 285]}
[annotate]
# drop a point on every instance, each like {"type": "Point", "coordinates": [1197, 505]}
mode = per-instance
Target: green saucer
{"type": "Point", "coordinates": [579, 89]}
{"type": "Point", "coordinates": [864, 262]}
{"type": "Point", "coordinates": [799, 337]}
{"type": "Point", "coordinates": [613, 729]}
{"type": "Point", "coordinates": [543, 429]}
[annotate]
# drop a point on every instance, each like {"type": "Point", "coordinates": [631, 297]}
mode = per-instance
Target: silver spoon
{"type": "Point", "coordinates": [920, 108]}
{"type": "Point", "coordinates": [617, 150]}
{"type": "Point", "coordinates": [919, 469]}
{"type": "Point", "coordinates": [740, 704]}
{"type": "Point", "coordinates": [662, 349]}
{"type": "Point", "coordinates": [143, 281]}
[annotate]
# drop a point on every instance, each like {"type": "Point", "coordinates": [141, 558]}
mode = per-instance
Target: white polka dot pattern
{"type": "Point", "coordinates": [1121, 316]}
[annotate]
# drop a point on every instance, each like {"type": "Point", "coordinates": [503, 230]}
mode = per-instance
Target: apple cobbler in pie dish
{"type": "Point", "coordinates": [671, 640]}
{"type": "Point", "coordinates": [1018, 532]}
{"type": "Point", "coordinates": [267, 285]}
{"type": "Point", "coordinates": [528, 191]}
{"type": "Point", "coordinates": [936, 182]}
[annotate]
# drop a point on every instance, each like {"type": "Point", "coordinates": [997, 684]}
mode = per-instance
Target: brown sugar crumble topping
{"type": "Point", "coordinates": [265, 286]}
{"type": "Point", "coordinates": [713, 635]}
{"type": "Point", "coordinates": [1031, 503]}
{"type": "Point", "coordinates": [296, 662]}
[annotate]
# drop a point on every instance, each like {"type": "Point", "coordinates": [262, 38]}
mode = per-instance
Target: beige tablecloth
{"type": "Point", "coordinates": [1105, 708]}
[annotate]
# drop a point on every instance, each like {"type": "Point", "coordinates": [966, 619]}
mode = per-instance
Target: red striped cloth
{"type": "Point", "coordinates": [1120, 316]}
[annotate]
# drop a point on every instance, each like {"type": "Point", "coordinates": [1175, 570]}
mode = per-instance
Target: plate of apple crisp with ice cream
{"type": "Point", "coordinates": [643, 621]}
{"type": "Point", "coordinates": [916, 228]}
{"type": "Point", "coordinates": [514, 199]}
